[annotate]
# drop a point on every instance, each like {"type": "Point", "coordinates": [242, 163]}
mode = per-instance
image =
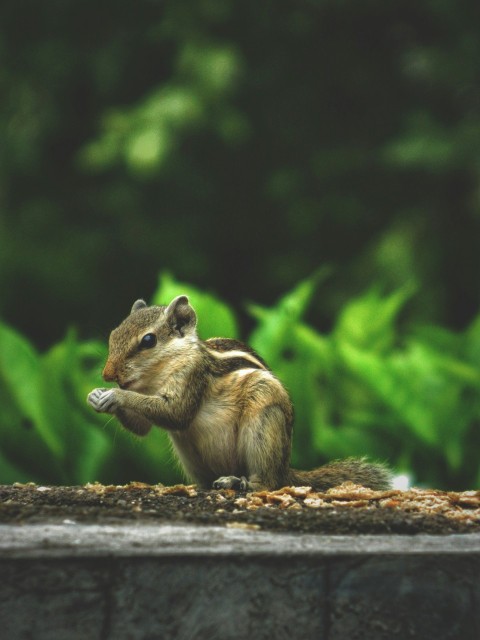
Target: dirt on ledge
{"type": "Point", "coordinates": [348, 509]}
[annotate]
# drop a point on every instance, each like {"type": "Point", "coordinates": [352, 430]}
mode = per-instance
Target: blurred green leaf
{"type": "Point", "coordinates": [20, 370]}
{"type": "Point", "coordinates": [368, 322]}
{"type": "Point", "coordinates": [23, 447]}
{"type": "Point", "coordinates": [147, 148]}
{"type": "Point", "coordinates": [19, 365]}
{"type": "Point", "coordinates": [275, 326]}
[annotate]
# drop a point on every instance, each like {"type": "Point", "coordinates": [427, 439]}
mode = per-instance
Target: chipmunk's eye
{"type": "Point", "coordinates": [148, 341]}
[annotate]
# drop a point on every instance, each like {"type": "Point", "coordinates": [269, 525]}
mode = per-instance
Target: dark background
{"type": "Point", "coordinates": [240, 145]}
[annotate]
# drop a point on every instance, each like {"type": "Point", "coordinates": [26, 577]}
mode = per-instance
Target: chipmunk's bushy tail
{"type": "Point", "coordinates": [357, 470]}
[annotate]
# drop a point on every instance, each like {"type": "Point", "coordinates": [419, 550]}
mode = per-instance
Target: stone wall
{"type": "Point", "coordinates": [118, 583]}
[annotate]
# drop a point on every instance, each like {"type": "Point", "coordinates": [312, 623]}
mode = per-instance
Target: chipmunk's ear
{"type": "Point", "coordinates": [181, 315]}
{"type": "Point", "coordinates": [138, 304]}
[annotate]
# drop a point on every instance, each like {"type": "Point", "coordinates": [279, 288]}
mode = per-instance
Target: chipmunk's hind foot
{"type": "Point", "coordinates": [231, 482]}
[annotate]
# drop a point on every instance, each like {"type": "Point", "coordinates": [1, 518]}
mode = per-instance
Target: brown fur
{"type": "Point", "coordinates": [229, 418]}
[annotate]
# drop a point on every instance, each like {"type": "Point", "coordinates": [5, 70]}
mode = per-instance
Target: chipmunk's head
{"type": "Point", "coordinates": [146, 340]}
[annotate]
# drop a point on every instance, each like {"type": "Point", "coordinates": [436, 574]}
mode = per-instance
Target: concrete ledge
{"type": "Point", "coordinates": [75, 582]}
{"type": "Point", "coordinates": [91, 540]}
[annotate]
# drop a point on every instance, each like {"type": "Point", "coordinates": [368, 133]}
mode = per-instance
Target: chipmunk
{"type": "Point", "coordinates": [229, 418]}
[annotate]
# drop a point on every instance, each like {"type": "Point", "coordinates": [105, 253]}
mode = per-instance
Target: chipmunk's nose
{"type": "Point", "coordinates": [109, 373]}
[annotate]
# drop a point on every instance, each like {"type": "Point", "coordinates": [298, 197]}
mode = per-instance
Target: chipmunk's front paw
{"type": "Point", "coordinates": [102, 400]}
{"type": "Point", "coordinates": [231, 482]}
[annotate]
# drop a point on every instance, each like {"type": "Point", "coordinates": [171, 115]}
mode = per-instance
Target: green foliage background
{"type": "Point", "coordinates": [242, 146]}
